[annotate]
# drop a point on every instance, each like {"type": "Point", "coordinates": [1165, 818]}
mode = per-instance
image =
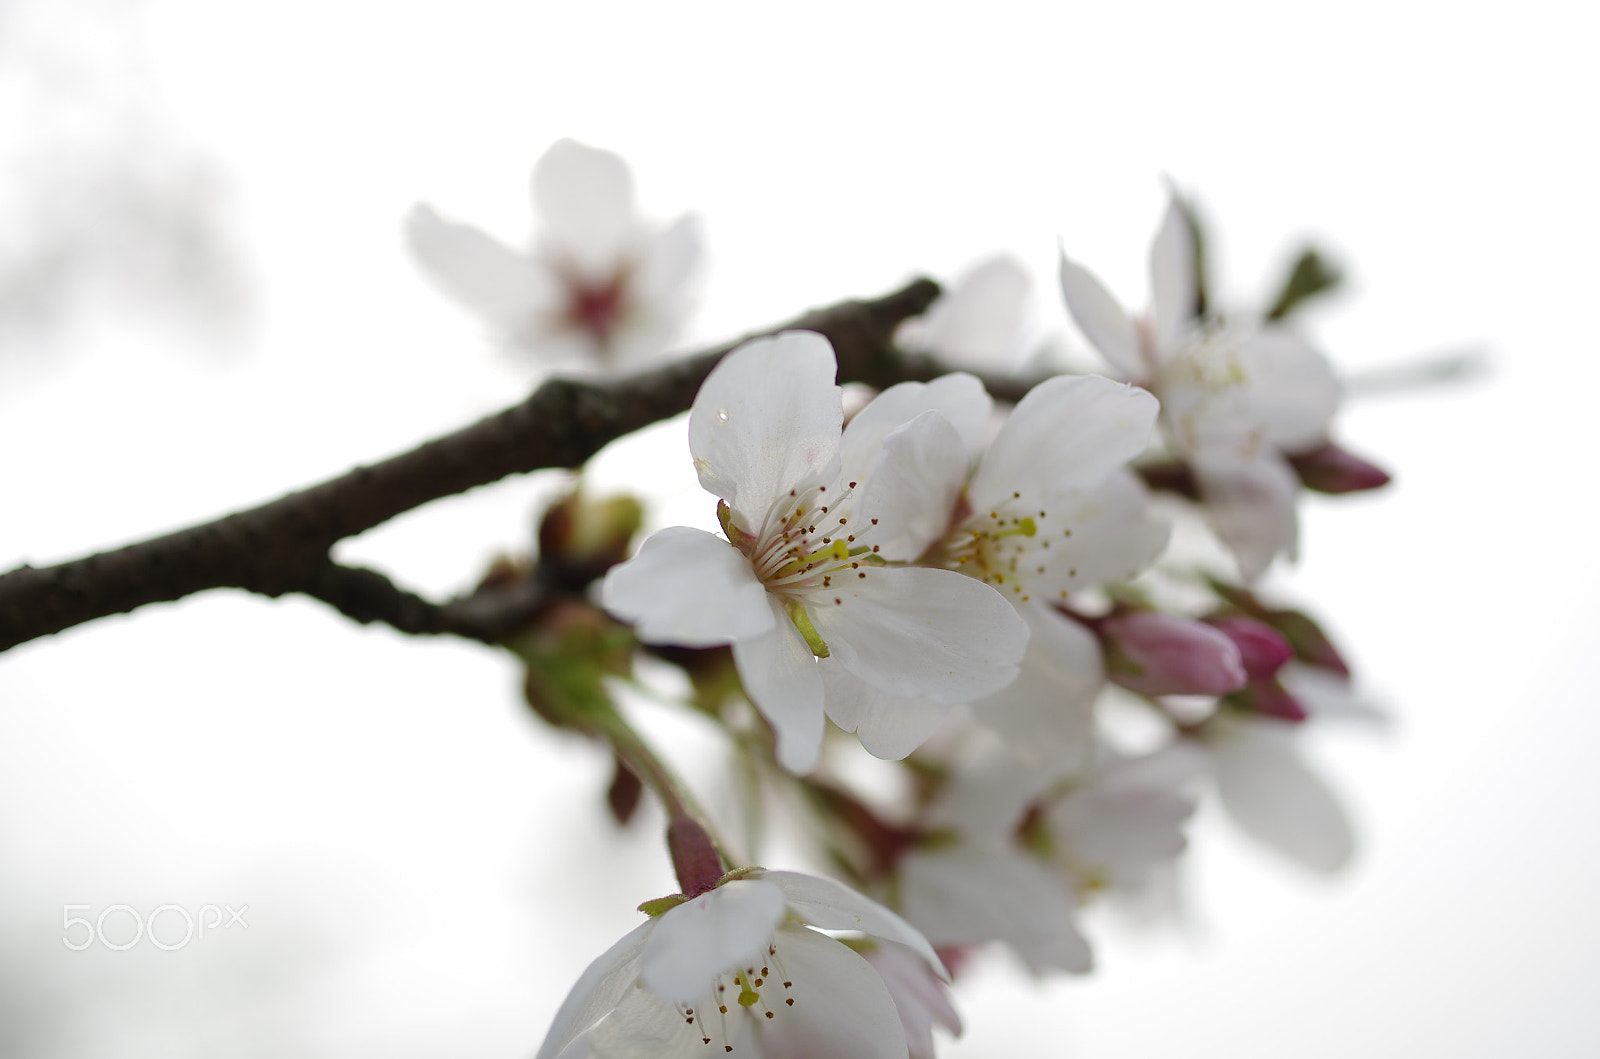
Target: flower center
{"type": "Point", "coordinates": [997, 546]}
{"type": "Point", "coordinates": [595, 305]}
{"type": "Point", "coordinates": [1205, 392]}
{"type": "Point", "coordinates": [808, 548]}
{"type": "Point", "coordinates": [753, 988]}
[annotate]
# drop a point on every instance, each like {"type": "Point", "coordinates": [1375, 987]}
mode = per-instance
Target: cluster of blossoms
{"type": "Point", "coordinates": [965, 587]}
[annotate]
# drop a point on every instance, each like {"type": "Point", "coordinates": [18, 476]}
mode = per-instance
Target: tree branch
{"type": "Point", "coordinates": [282, 546]}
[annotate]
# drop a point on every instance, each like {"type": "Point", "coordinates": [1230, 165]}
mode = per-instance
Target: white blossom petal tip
{"type": "Point", "coordinates": [1102, 319]}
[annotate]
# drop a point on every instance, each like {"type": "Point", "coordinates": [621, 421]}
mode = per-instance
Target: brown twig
{"type": "Point", "coordinates": [282, 546]}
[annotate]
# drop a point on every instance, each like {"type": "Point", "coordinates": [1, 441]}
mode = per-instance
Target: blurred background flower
{"type": "Point", "coordinates": [410, 846]}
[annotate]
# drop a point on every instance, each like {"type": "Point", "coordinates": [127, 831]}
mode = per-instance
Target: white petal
{"type": "Point", "coordinates": [1047, 713]}
{"type": "Point", "coordinates": [690, 588]}
{"type": "Point", "coordinates": [959, 396]}
{"type": "Point", "coordinates": [1123, 831]}
{"type": "Point", "coordinates": [667, 263]}
{"type": "Point", "coordinates": [920, 998]}
{"type": "Point", "coordinates": [1114, 535]}
{"type": "Point", "coordinates": [991, 790]}
{"type": "Point", "coordinates": [1174, 767]}
{"type": "Point", "coordinates": [716, 932]}
{"type": "Point", "coordinates": [780, 675]}
{"type": "Point", "coordinates": [1253, 511]}
{"type": "Point", "coordinates": [658, 294]}
{"type": "Point", "coordinates": [889, 727]}
{"type": "Point", "coordinates": [1328, 695]}
{"type": "Point", "coordinates": [841, 1006]}
{"type": "Point", "coordinates": [912, 491]}
{"type": "Point", "coordinates": [480, 272]}
{"type": "Point", "coordinates": [1270, 792]}
{"type": "Point", "coordinates": [1293, 392]}
{"type": "Point", "coordinates": [645, 1026]}
{"type": "Point", "coordinates": [834, 906]}
{"type": "Point", "coordinates": [1102, 319]}
{"type": "Point", "coordinates": [1068, 432]}
{"type": "Point", "coordinates": [1205, 400]}
{"type": "Point", "coordinates": [584, 196]}
{"type": "Point", "coordinates": [978, 319]}
{"type": "Point", "coordinates": [929, 633]}
{"type": "Point", "coordinates": [971, 894]}
{"type": "Point", "coordinates": [1173, 284]}
{"type": "Point", "coordinates": [766, 421]}
{"type": "Point", "coordinates": [599, 989]}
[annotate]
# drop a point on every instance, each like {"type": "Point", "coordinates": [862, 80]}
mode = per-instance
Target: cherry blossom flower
{"type": "Point", "coordinates": [1047, 837]}
{"type": "Point", "coordinates": [598, 284]}
{"type": "Point", "coordinates": [1048, 508]}
{"type": "Point", "coordinates": [806, 586]}
{"type": "Point", "coordinates": [1238, 396]}
{"type": "Point", "coordinates": [952, 893]}
{"type": "Point", "coordinates": [740, 970]}
{"type": "Point", "coordinates": [1116, 824]}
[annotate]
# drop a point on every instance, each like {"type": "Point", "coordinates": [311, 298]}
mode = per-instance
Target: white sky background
{"type": "Point", "coordinates": [426, 870]}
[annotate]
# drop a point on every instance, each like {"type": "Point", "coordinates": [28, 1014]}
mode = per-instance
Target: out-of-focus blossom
{"type": "Point", "coordinates": [972, 881]}
{"type": "Point", "coordinates": [1238, 396]}
{"type": "Point", "coordinates": [803, 588]}
{"type": "Point", "coordinates": [1013, 848]}
{"type": "Point", "coordinates": [1122, 820]}
{"type": "Point", "coordinates": [739, 969]}
{"type": "Point", "coordinates": [978, 322]}
{"type": "Point", "coordinates": [597, 285]}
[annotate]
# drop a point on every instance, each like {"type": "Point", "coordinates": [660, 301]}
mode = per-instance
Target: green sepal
{"type": "Point", "coordinates": [740, 873]}
{"type": "Point", "coordinates": [660, 905]}
{"type": "Point", "coordinates": [1310, 276]}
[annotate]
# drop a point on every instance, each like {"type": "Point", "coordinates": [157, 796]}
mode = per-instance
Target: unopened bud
{"type": "Point", "coordinates": [1262, 650]}
{"type": "Point", "coordinates": [622, 797]}
{"type": "Point", "coordinates": [1310, 644]}
{"type": "Point", "coordinates": [713, 677]}
{"type": "Point", "coordinates": [1161, 654]}
{"type": "Point", "coordinates": [1331, 469]}
{"type": "Point", "coordinates": [568, 653]}
{"type": "Point", "coordinates": [580, 539]}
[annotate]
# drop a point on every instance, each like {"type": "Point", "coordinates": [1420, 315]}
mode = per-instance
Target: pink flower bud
{"type": "Point", "coordinates": [1330, 469]}
{"type": "Point", "coordinates": [1310, 644]}
{"type": "Point", "coordinates": [1160, 654]}
{"type": "Point", "coordinates": [1262, 649]}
